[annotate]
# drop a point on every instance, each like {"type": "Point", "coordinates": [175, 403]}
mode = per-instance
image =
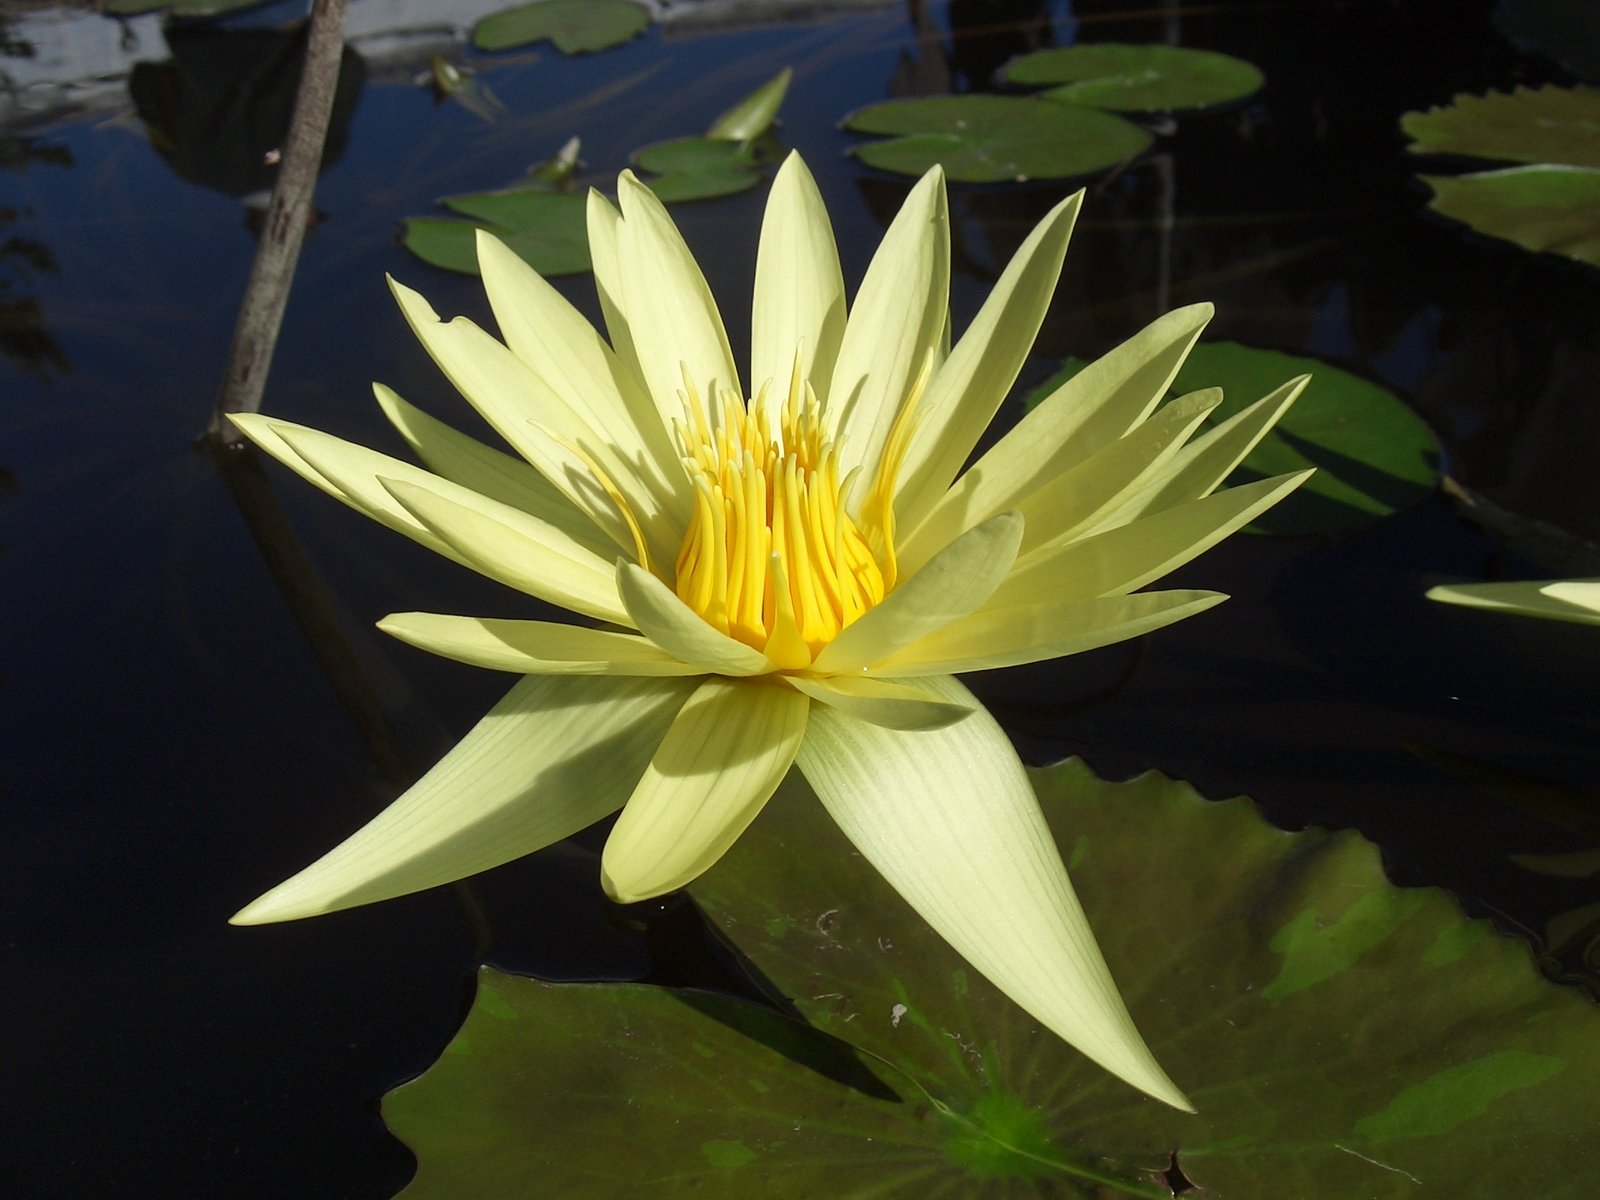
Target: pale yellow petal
{"type": "Point", "coordinates": [508, 545]}
{"type": "Point", "coordinates": [672, 316]}
{"type": "Point", "coordinates": [605, 254]}
{"type": "Point", "coordinates": [1007, 637]}
{"type": "Point", "coordinates": [724, 756]}
{"type": "Point", "coordinates": [1126, 558]}
{"type": "Point", "coordinates": [503, 477]}
{"type": "Point", "coordinates": [1574, 600]}
{"type": "Point", "coordinates": [955, 581]}
{"type": "Point", "coordinates": [799, 304]}
{"type": "Point", "coordinates": [556, 755]}
{"type": "Point", "coordinates": [1201, 466]}
{"type": "Point", "coordinates": [1073, 501]}
{"type": "Point", "coordinates": [667, 621]}
{"type": "Point", "coordinates": [879, 702]}
{"type": "Point", "coordinates": [950, 820]}
{"type": "Point", "coordinates": [559, 345]}
{"type": "Point", "coordinates": [968, 388]}
{"type": "Point", "coordinates": [1099, 404]}
{"type": "Point", "coordinates": [895, 322]}
{"type": "Point", "coordinates": [533, 647]}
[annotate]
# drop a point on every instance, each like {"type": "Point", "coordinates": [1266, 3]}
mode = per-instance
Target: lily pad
{"type": "Point", "coordinates": [1528, 125]}
{"type": "Point", "coordinates": [546, 228]}
{"type": "Point", "coordinates": [1149, 78]}
{"type": "Point", "coordinates": [1341, 1036]}
{"type": "Point", "coordinates": [983, 139]}
{"type": "Point", "coordinates": [1372, 453]}
{"type": "Point", "coordinates": [1554, 209]}
{"type": "Point", "coordinates": [572, 26]}
{"type": "Point", "coordinates": [697, 168]}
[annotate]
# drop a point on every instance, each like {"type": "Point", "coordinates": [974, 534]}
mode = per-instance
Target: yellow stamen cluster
{"type": "Point", "coordinates": [771, 556]}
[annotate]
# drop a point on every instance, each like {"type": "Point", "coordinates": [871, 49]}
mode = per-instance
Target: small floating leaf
{"type": "Point", "coordinates": [1417, 1055]}
{"type": "Point", "coordinates": [1150, 78]}
{"type": "Point", "coordinates": [983, 139]}
{"type": "Point", "coordinates": [1554, 209]}
{"type": "Point", "coordinates": [1528, 125]}
{"type": "Point", "coordinates": [548, 229]}
{"type": "Point", "coordinates": [697, 168]}
{"type": "Point", "coordinates": [573, 26]}
{"type": "Point", "coordinates": [753, 115]}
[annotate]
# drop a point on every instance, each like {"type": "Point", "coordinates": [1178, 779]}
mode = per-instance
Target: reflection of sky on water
{"type": "Point", "coordinates": [171, 747]}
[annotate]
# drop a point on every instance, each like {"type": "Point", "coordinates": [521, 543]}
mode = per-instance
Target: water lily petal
{"type": "Point", "coordinates": [964, 395]}
{"type": "Point", "coordinates": [533, 647]}
{"type": "Point", "coordinates": [897, 319]}
{"type": "Point", "coordinates": [1072, 502]}
{"type": "Point", "coordinates": [879, 702]}
{"type": "Point", "coordinates": [1006, 637]}
{"type": "Point", "coordinates": [724, 756]}
{"type": "Point", "coordinates": [559, 345]}
{"type": "Point", "coordinates": [556, 755]}
{"type": "Point", "coordinates": [467, 461]}
{"type": "Point", "coordinates": [605, 254]}
{"type": "Point", "coordinates": [799, 294]}
{"type": "Point", "coordinates": [1126, 558]}
{"type": "Point", "coordinates": [672, 316]}
{"type": "Point", "coordinates": [950, 820]}
{"type": "Point", "coordinates": [1096, 406]}
{"type": "Point", "coordinates": [955, 581]}
{"type": "Point", "coordinates": [1573, 600]}
{"type": "Point", "coordinates": [539, 424]}
{"type": "Point", "coordinates": [671, 624]}
{"type": "Point", "coordinates": [1198, 468]}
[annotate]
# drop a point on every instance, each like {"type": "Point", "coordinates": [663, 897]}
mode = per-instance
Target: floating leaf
{"type": "Point", "coordinates": [1372, 453]}
{"type": "Point", "coordinates": [697, 168]}
{"type": "Point", "coordinates": [1341, 1036]}
{"type": "Point", "coordinates": [546, 228]}
{"type": "Point", "coordinates": [572, 26]}
{"type": "Point", "coordinates": [982, 139]}
{"type": "Point", "coordinates": [753, 116]}
{"type": "Point", "coordinates": [1150, 78]}
{"type": "Point", "coordinates": [1528, 125]}
{"type": "Point", "coordinates": [1545, 208]}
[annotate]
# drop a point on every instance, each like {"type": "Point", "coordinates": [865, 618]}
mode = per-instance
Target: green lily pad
{"type": "Point", "coordinates": [1529, 125]}
{"type": "Point", "coordinates": [1372, 453]}
{"type": "Point", "coordinates": [1553, 209]}
{"type": "Point", "coordinates": [548, 229]}
{"type": "Point", "coordinates": [697, 168]}
{"type": "Point", "coordinates": [983, 139]}
{"type": "Point", "coordinates": [1150, 78]}
{"type": "Point", "coordinates": [753, 116]}
{"type": "Point", "coordinates": [572, 26]}
{"type": "Point", "coordinates": [1342, 1037]}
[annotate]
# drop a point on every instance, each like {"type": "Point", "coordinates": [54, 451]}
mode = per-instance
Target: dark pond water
{"type": "Point", "coordinates": [172, 746]}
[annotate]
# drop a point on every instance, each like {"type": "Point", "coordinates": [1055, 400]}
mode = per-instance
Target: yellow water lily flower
{"type": "Point", "coordinates": [1575, 600]}
{"type": "Point", "coordinates": [795, 570]}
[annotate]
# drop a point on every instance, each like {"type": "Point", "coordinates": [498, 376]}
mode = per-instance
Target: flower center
{"type": "Point", "coordinates": [772, 557]}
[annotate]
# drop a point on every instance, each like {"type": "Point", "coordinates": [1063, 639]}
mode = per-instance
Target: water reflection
{"type": "Point", "coordinates": [217, 111]}
{"type": "Point", "coordinates": [24, 340]}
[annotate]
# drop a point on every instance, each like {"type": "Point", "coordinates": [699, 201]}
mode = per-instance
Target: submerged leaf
{"type": "Point", "coordinates": [982, 139]}
{"type": "Point", "coordinates": [572, 26]}
{"type": "Point", "coordinates": [1341, 1036]}
{"type": "Point", "coordinates": [1149, 78]}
